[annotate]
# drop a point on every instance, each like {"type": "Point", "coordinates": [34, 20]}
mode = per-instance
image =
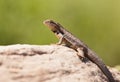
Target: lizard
{"type": "Point", "coordinates": [71, 41]}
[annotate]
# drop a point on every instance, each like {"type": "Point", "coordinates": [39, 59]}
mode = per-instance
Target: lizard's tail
{"type": "Point", "coordinates": [95, 59]}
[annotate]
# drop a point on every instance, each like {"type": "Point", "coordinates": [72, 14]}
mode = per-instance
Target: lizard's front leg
{"type": "Point", "coordinates": [61, 40]}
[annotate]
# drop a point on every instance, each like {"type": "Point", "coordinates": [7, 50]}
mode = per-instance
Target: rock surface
{"type": "Point", "coordinates": [47, 63]}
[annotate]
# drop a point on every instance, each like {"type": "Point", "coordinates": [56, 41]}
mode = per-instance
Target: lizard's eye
{"type": "Point", "coordinates": [56, 32]}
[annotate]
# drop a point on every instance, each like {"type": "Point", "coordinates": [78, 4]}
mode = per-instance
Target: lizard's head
{"type": "Point", "coordinates": [53, 26]}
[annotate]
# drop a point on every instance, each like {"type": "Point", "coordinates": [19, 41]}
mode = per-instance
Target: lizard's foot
{"type": "Point", "coordinates": [61, 44]}
{"type": "Point", "coordinates": [83, 59]}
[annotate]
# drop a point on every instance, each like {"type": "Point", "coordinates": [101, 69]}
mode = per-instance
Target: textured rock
{"type": "Point", "coordinates": [53, 63]}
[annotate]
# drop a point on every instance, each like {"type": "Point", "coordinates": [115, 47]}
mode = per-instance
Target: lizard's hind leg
{"type": "Point", "coordinates": [80, 54]}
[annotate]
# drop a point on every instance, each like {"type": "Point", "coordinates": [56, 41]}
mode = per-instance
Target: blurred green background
{"type": "Point", "coordinates": [96, 22]}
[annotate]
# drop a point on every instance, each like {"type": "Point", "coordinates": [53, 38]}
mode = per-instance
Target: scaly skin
{"type": "Point", "coordinates": [77, 45]}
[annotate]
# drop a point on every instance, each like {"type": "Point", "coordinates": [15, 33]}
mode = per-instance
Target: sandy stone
{"type": "Point", "coordinates": [47, 63]}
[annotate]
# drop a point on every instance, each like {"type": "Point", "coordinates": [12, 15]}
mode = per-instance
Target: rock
{"type": "Point", "coordinates": [47, 63]}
